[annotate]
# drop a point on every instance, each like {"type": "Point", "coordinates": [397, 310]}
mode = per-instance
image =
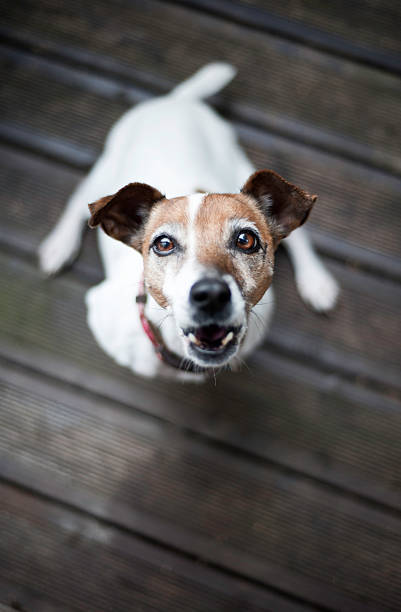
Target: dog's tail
{"type": "Point", "coordinates": [205, 82]}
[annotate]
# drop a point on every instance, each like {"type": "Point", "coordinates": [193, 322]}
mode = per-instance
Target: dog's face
{"type": "Point", "coordinates": [208, 258]}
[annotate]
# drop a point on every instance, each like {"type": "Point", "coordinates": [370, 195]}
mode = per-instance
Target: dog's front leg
{"type": "Point", "coordinates": [315, 284]}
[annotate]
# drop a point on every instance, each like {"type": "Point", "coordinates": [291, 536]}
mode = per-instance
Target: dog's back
{"type": "Point", "coordinates": [177, 142]}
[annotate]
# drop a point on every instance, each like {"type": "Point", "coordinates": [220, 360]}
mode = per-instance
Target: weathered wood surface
{"type": "Point", "coordinates": [188, 494]}
{"type": "Point", "coordinates": [86, 559]}
{"type": "Point", "coordinates": [365, 30]}
{"type": "Point", "coordinates": [279, 487]}
{"type": "Point", "coordinates": [283, 85]}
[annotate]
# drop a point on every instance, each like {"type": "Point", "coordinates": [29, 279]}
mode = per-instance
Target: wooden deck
{"type": "Point", "coordinates": [278, 489]}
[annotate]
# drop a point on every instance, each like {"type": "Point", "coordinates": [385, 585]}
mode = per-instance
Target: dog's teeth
{"type": "Point", "coordinates": [228, 338]}
{"type": "Point", "coordinates": [193, 338]}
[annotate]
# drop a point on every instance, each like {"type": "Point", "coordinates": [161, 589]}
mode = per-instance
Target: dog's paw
{"type": "Point", "coordinates": [59, 248]}
{"type": "Point", "coordinates": [318, 288]}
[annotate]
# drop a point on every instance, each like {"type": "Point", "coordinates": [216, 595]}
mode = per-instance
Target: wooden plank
{"type": "Point", "coordinates": [58, 559]}
{"type": "Point", "coordinates": [361, 337]}
{"type": "Point", "coordinates": [30, 181]}
{"type": "Point", "coordinates": [303, 92]}
{"type": "Point", "coordinates": [362, 30]}
{"type": "Point", "coordinates": [348, 192]}
{"type": "Point", "coordinates": [287, 532]}
{"type": "Point", "coordinates": [24, 81]}
{"type": "Point", "coordinates": [4, 608]}
{"type": "Point", "coordinates": [347, 209]}
{"type": "Point", "coordinates": [365, 327]}
{"type": "Point", "coordinates": [364, 22]}
{"type": "Point", "coordinates": [296, 416]}
{"type": "Point", "coordinates": [23, 599]}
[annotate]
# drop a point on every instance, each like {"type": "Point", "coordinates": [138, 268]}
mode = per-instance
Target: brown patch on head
{"type": "Point", "coordinates": [214, 227]}
{"type": "Point", "coordinates": [174, 210]}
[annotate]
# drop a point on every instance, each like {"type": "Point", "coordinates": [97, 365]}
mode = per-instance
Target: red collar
{"type": "Point", "coordinates": [162, 352]}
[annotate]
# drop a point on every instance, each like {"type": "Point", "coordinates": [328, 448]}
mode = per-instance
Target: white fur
{"type": "Point", "coordinates": [315, 285]}
{"type": "Point", "coordinates": [178, 144]}
{"type": "Point", "coordinates": [195, 201]}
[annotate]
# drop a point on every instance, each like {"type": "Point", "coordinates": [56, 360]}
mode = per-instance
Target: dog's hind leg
{"type": "Point", "coordinates": [315, 284]}
{"type": "Point", "coordinates": [62, 244]}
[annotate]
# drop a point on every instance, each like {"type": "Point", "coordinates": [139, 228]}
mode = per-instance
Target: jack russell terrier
{"type": "Point", "coordinates": [188, 277]}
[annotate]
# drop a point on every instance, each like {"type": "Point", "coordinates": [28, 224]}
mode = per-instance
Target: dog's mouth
{"type": "Point", "coordinates": [212, 343]}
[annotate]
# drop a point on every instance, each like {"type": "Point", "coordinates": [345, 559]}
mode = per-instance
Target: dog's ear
{"type": "Point", "coordinates": [285, 206]}
{"type": "Point", "coordinates": [123, 215]}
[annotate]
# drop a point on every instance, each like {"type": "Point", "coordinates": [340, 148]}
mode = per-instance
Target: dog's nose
{"type": "Point", "coordinates": [210, 295]}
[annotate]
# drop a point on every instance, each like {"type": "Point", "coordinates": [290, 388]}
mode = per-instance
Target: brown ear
{"type": "Point", "coordinates": [285, 205]}
{"type": "Point", "coordinates": [123, 215]}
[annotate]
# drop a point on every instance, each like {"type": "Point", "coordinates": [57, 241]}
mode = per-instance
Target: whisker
{"type": "Point", "coordinates": [242, 363]}
{"type": "Point", "coordinates": [260, 326]}
{"type": "Point", "coordinates": [265, 303]}
{"type": "Point", "coordinates": [258, 317]}
{"type": "Point", "coordinates": [163, 320]}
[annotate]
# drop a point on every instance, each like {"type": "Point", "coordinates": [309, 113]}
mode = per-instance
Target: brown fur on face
{"type": "Point", "coordinates": [214, 243]}
{"type": "Point", "coordinates": [166, 211]}
{"type": "Point", "coordinates": [215, 249]}
{"type": "Point", "coordinates": [267, 202]}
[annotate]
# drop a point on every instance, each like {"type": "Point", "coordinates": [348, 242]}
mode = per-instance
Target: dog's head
{"type": "Point", "coordinates": [209, 258]}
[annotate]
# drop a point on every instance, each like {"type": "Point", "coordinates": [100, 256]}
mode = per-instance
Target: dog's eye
{"type": "Point", "coordinates": [247, 241]}
{"type": "Point", "coordinates": [163, 245]}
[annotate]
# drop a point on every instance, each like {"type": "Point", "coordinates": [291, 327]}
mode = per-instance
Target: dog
{"type": "Point", "coordinates": [188, 277]}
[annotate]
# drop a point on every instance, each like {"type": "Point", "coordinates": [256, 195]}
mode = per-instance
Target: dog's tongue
{"type": "Point", "coordinates": [211, 333]}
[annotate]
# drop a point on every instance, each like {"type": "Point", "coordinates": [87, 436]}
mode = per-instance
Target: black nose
{"type": "Point", "coordinates": [210, 295]}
